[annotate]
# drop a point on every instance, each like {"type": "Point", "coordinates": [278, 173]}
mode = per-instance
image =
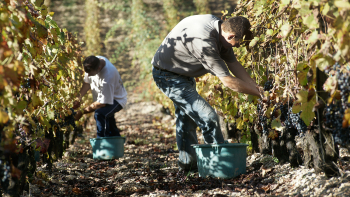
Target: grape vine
{"type": "Point", "coordinates": [337, 112]}
{"type": "Point", "coordinates": [40, 72]}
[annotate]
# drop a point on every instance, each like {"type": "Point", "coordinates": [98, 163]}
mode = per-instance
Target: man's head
{"type": "Point", "coordinates": [91, 65]}
{"type": "Point", "coordinates": [234, 29]}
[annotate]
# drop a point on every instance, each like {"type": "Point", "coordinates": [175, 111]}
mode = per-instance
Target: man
{"type": "Point", "coordinates": [109, 94]}
{"type": "Point", "coordinates": [198, 45]}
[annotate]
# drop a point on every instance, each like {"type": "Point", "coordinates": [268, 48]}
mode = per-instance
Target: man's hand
{"type": "Point", "coordinates": [78, 115]}
{"type": "Point", "coordinates": [76, 104]}
{"type": "Point", "coordinates": [238, 85]}
{"type": "Point", "coordinates": [262, 94]}
{"type": "Point", "coordinates": [261, 90]}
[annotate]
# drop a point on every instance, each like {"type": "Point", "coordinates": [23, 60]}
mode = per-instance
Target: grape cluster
{"type": "Point", "coordinates": [4, 171]}
{"type": "Point", "coordinates": [69, 120]}
{"type": "Point", "coordinates": [268, 85]}
{"type": "Point", "coordinates": [334, 112]}
{"type": "Point", "coordinates": [26, 84]}
{"type": "Point", "coordinates": [292, 120]}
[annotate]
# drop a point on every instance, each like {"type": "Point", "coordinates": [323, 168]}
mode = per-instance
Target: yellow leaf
{"type": "Point", "coordinates": [305, 104]}
{"type": "Point", "coordinates": [269, 111]}
{"type": "Point", "coordinates": [239, 123]}
{"type": "Point", "coordinates": [330, 85]}
{"type": "Point", "coordinates": [4, 118]}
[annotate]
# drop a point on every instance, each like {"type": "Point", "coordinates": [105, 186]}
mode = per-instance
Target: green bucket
{"type": "Point", "coordinates": [221, 160]}
{"type": "Point", "coordinates": [106, 148]}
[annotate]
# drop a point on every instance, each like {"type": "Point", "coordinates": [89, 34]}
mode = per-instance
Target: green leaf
{"type": "Point", "coordinates": [323, 62]}
{"type": "Point", "coordinates": [253, 42]}
{"type": "Point", "coordinates": [43, 10]}
{"type": "Point", "coordinates": [293, 14]}
{"type": "Point", "coordinates": [342, 5]}
{"type": "Point", "coordinates": [41, 30]}
{"type": "Point", "coordinates": [302, 66]}
{"type": "Point", "coordinates": [51, 114]}
{"type": "Point", "coordinates": [277, 125]}
{"type": "Point", "coordinates": [326, 9]}
{"type": "Point", "coordinates": [38, 3]}
{"type": "Point", "coordinates": [44, 121]}
{"type": "Point", "coordinates": [302, 76]}
{"type": "Point", "coordinates": [21, 105]}
{"type": "Point", "coordinates": [286, 30]}
{"type": "Point", "coordinates": [285, 2]}
{"type": "Point", "coordinates": [51, 22]}
{"type": "Point", "coordinates": [302, 104]}
{"type": "Point", "coordinates": [313, 37]}
{"type": "Point", "coordinates": [310, 21]}
{"type": "Point", "coordinates": [269, 32]}
{"type": "Point", "coordinates": [36, 101]}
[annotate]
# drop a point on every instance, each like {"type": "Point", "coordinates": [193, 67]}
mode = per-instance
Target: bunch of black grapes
{"type": "Point", "coordinates": [334, 112]}
{"type": "Point", "coordinates": [292, 120]}
{"type": "Point", "coordinates": [25, 83]}
{"type": "Point", "coordinates": [69, 120]}
{"type": "Point", "coordinates": [343, 79]}
{"type": "Point", "coordinates": [268, 85]}
{"type": "Point", "coordinates": [262, 118]}
{"type": "Point", "coordinates": [4, 171]}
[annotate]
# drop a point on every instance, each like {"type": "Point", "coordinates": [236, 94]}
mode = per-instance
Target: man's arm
{"type": "Point", "coordinates": [84, 89]}
{"type": "Point", "coordinates": [91, 108]}
{"type": "Point", "coordinates": [239, 71]}
{"type": "Point", "coordinates": [239, 85]}
{"type": "Point", "coordinates": [82, 92]}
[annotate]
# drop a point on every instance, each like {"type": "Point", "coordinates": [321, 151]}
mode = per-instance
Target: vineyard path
{"type": "Point", "coordinates": [149, 167]}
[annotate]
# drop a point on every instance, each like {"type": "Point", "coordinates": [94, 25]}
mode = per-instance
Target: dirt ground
{"type": "Point", "coordinates": [149, 167]}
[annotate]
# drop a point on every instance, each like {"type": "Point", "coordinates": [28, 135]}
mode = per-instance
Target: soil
{"type": "Point", "coordinates": [149, 167]}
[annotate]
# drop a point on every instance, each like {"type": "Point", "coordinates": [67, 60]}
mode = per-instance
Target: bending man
{"type": "Point", "coordinates": [198, 45]}
{"type": "Point", "coordinates": [109, 94]}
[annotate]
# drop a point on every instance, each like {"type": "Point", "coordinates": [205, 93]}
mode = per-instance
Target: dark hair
{"type": "Point", "coordinates": [238, 25]}
{"type": "Point", "coordinates": [91, 63]}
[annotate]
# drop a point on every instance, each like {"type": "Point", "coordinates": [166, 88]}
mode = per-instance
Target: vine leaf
{"type": "Point", "coordinates": [253, 42]}
{"type": "Point", "coordinates": [21, 105]}
{"type": "Point", "coordinates": [3, 117]}
{"type": "Point", "coordinates": [36, 101]}
{"type": "Point", "coordinates": [38, 3]}
{"type": "Point", "coordinates": [302, 74]}
{"type": "Point", "coordinates": [277, 125]}
{"type": "Point", "coordinates": [273, 135]}
{"type": "Point", "coordinates": [239, 123]}
{"type": "Point", "coordinates": [293, 14]}
{"type": "Point", "coordinates": [305, 104]}
{"type": "Point", "coordinates": [286, 30]}
{"type": "Point", "coordinates": [330, 85]}
{"type": "Point", "coordinates": [323, 62]}
{"type": "Point", "coordinates": [342, 4]}
{"type": "Point", "coordinates": [51, 114]}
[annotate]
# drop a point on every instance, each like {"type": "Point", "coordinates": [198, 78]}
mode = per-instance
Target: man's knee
{"type": "Point", "coordinates": [213, 116]}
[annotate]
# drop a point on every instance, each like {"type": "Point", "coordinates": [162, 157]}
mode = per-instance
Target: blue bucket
{"type": "Point", "coordinates": [221, 160]}
{"type": "Point", "coordinates": [106, 148]}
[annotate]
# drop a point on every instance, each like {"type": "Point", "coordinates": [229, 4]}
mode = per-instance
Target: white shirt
{"type": "Point", "coordinates": [107, 85]}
